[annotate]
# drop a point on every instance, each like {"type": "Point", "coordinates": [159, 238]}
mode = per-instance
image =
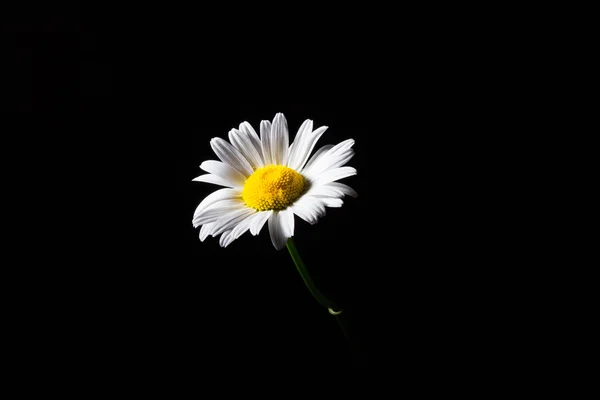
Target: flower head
{"type": "Point", "coordinates": [266, 179]}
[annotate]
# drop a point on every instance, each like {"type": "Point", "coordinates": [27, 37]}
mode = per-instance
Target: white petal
{"type": "Point", "coordinates": [345, 189]}
{"type": "Point", "coordinates": [312, 205]}
{"type": "Point", "coordinates": [228, 154]}
{"type": "Point", "coordinates": [218, 211]}
{"type": "Point", "coordinates": [332, 201]}
{"type": "Point", "coordinates": [221, 194]}
{"type": "Point", "coordinates": [217, 180]}
{"type": "Point", "coordinates": [259, 221]}
{"type": "Point", "coordinates": [246, 128]}
{"type": "Point", "coordinates": [224, 171]}
{"type": "Point", "coordinates": [205, 231]}
{"type": "Point", "coordinates": [279, 139]}
{"type": "Point", "coordinates": [300, 141]}
{"type": "Point", "coordinates": [324, 190]}
{"type": "Point", "coordinates": [318, 154]}
{"type": "Point", "coordinates": [276, 230]}
{"type": "Point", "coordinates": [312, 140]}
{"type": "Point", "coordinates": [342, 146]}
{"type": "Point", "coordinates": [223, 203]}
{"type": "Point", "coordinates": [226, 239]}
{"type": "Point", "coordinates": [242, 142]}
{"type": "Point", "coordinates": [244, 225]}
{"type": "Point", "coordinates": [328, 161]}
{"type": "Point", "coordinates": [210, 216]}
{"type": "Point", "coordinates": [265, 141]}
{"type": "Point", "coordinates": [287, 222]}
{"type": "Point", "coordinates": [334, 174]}
{"type": "Point", "coordinates": [342, 159]}
{"type": "Point", "coordinates": [337, 156]}
{"type": "Point", "coordinates": [229, 221]}
{"type": "Point", "coordinates": [304, 213]}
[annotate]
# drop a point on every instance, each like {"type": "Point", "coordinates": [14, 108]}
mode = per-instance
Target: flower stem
{"type": "Point", "coordinates": [333, 309]}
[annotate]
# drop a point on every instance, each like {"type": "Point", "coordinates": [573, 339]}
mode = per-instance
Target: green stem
{"type": "Point", "coordinates": [291, 246]}
{"type": "Point", "coordinates": [333, 309]}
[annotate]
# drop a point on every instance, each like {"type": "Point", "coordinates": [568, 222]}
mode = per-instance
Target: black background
{"type": "Point", "coordinates": [404, 258]}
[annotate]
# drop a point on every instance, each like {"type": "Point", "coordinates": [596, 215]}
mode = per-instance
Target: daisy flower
{"type": "Point", "coordinates": [268, 180]}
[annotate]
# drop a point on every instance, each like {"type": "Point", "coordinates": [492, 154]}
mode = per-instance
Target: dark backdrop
{"type": "Point", "coordinates": [411, 259]}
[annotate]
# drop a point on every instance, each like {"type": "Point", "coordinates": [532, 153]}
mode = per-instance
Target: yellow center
{"type": "Point", "coordinates": [273, 187]}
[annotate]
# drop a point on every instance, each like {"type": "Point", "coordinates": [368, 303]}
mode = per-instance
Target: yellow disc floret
{"type": "Point", "coordinates": [273, 187]}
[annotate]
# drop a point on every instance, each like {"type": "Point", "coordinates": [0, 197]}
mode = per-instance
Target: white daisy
{"type": "Point", "coordinates": [266, 179]}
